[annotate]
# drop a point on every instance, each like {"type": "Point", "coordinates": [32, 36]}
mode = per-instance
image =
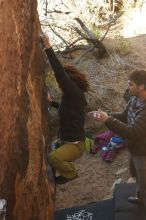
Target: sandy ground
{"type": "Point", "coordinates": [95, 182]}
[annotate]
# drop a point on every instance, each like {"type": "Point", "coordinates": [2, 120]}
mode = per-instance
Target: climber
{"type": "Point", "coordinates": [71, 109]}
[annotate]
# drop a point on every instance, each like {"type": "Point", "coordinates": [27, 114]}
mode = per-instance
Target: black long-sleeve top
{"type": "Point", "coordinates": [73, 103]}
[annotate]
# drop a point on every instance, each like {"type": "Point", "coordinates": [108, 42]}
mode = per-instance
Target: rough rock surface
{"type": "Point", "coordinates": [23, 122]}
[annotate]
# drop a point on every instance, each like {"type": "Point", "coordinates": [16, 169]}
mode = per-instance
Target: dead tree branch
{"type": "Point", "coordinates": [112, 22]}
{"type": "Point", "coordinates": [86, 30]}
{"type": "Point", "coordinates": [77, 47]}
{"type": "Point", "coordinates": [85, 53]}
{"type": "Point", "coordinates": [46, 7]}
{"type": "Point", "coordinates": [58, 35]}
{"type": "Point", "coordinates": [58, 11]}
{"type": "Point", "coordinates": [90, 37]}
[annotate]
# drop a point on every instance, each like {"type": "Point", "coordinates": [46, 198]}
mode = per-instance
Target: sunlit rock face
{"type": "Point", "coordinates": [23, 115]}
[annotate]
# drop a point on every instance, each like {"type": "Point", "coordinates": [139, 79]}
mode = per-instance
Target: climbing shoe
{"type": "Point", "coordinates": [63, 180]}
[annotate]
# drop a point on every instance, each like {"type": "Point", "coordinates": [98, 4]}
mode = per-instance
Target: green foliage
{"type": "Point", "coordinates": [96, 31]}
{"type": "Point", "coordinates": [124, 44]}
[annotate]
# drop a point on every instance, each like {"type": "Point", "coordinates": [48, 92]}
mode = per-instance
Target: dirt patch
{"type": "Point", "coordinates": [95, 181]}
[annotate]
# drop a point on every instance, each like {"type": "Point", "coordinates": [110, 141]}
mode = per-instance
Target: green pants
{"type": "Point", "coordinates": [61, 158]}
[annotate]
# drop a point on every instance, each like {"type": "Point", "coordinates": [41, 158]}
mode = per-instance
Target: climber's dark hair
{"type": "Point", "coordinates": [78, 77]}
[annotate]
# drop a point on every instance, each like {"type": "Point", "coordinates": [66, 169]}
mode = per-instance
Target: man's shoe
{"type": "Point", "coordinates": [63, 180]}
{"type": "Point", "coordinates": [135, 200]}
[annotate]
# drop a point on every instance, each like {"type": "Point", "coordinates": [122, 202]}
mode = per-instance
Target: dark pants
{"type": "Point", "coordinates": [138, 170]}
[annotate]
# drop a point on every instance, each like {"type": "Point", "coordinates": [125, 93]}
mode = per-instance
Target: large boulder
{"type": "Point", "coordinates": [23, 115]}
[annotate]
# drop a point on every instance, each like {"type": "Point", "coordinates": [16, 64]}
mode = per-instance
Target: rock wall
{"type": "Point", "coordinates": [23, 115]}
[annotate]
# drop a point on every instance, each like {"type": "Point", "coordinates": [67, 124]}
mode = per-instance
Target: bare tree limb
{"type": "Point", "coordinates": [64, 4]}
{"type": "Point", "coordinates": [58, 11]}
{"type": "Point", "coordinates": [85, 53]}
{"type": "Point", "coordinates": [78, 39]}
{"type": "Point", "coordinates": [80, 33]}
{"type": "Point", "coordinates": [110, 24]}
{"type": "Point", "coordinates": [91, 38]}
{"type": "Point", "coordinates": [74, 48]}
{"type": "Point", "coordinates": [66, 43]}
{"type": "Point", "coordinates": [46, 7]}
{"type": "Point", "coordinates": [105, 32]}
{"type": "Point", "coordinates": [86, 30]}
